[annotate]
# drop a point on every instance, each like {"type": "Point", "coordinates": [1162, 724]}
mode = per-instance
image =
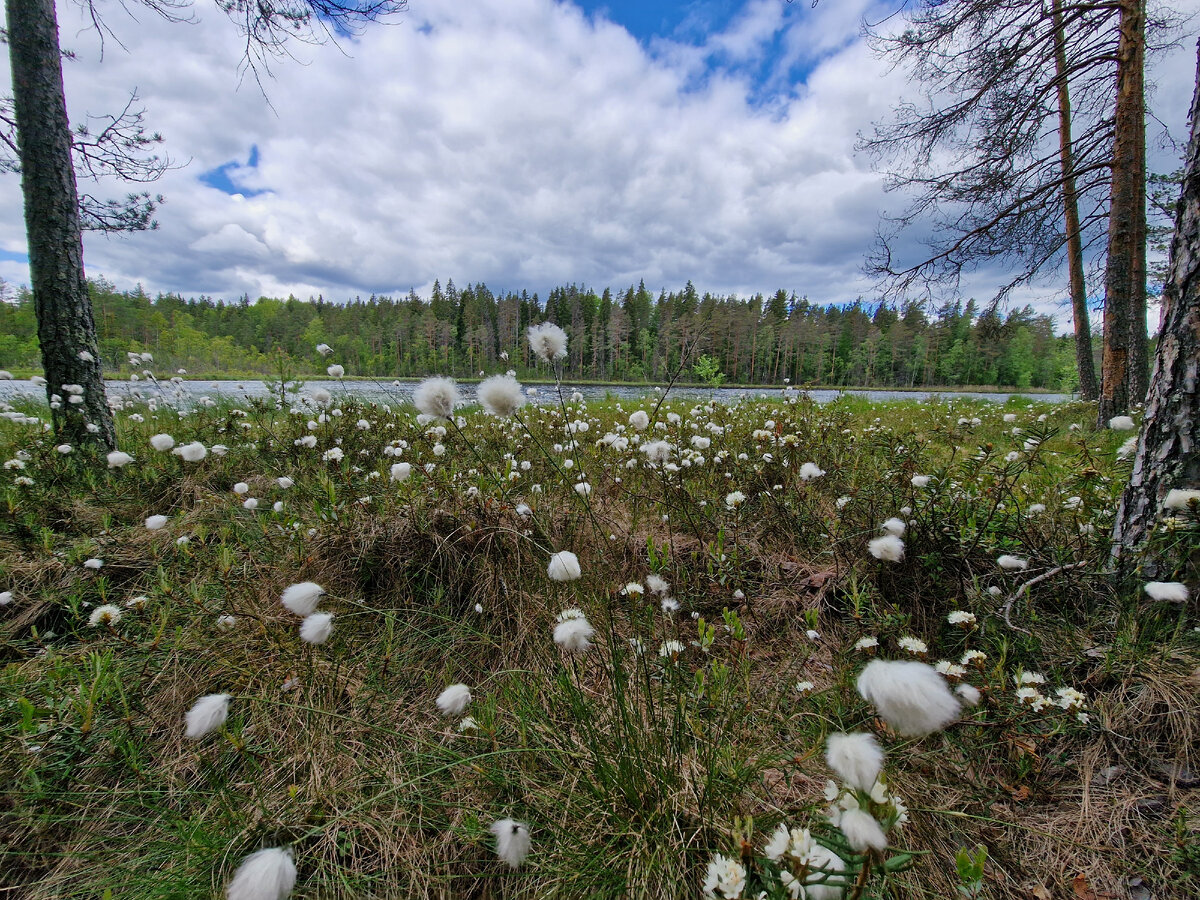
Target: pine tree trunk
{"type": "Point", "coordinates": [1122, 375]}
{"type": "Point", "coordinates": [64, 311]}
{"type": "Point", "coordinates": [1084, 361]}
{"type": "Point", "coordinates": [1168, 454]}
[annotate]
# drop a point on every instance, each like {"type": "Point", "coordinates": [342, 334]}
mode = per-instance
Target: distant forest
{"type": "Point", "coordinates": [630, 335]}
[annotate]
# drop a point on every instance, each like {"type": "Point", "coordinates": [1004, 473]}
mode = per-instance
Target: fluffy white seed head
{"type": "Point", "coordinates": [302, 598]}
{"type": "Point", "coordinates": [162, 442]}
{"type": "Point", "coordinates": [810, 470]}
{"type": "Point", "coordinates": [454, 699]}
{"type": "Point", "coordinates": [316, 628]}
{"type": "Point", "coordinates": [862, 831]}
{"type": "Point", "coordinates": [437, 397]}
{"type": "Point", "coordinates": [574, 634]}
{"type": "Point", "coordinates": [153, 523]}
{"type": "Point", "coordinates": [969, 694]}
{"type": "Point", "coordinates": [512, 841]}
{"type": "Point", "coordinates": [547, 341]}
{"type": "Point", "coordinates": [500, 395]}
{"type": "Point", "coordinates": [207, 715]}
{"type": "Point", "coordinates": [1169, 591]}
{"type": "Point", "coordinates": [894, 526]}
{"type": "Point", "coordinates": [193, 452]}
{"type": "Point", "coordinates": [1179, 498]}
{"type": "Point", "coordinates": [1121, 423]}
{"type": "Point", "coordinates": [856, 758]}
{"type": "Point", "coordinates": [888, 548]}
{"type": "Point", "coordinates": [1012, 563]}
{"type": "Point", "coordinates": [118, 458]}
{"type": "Point", "coordinates": [910, 696]}
{"type": "Point", "coordinates": [401, 471]}
{"type": "Point", "coordinates": [266, 875]}
{"type": "Point", "coordinates": [564, 566]}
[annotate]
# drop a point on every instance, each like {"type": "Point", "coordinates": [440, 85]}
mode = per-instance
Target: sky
{"type": "Point", "coordinates": [520, 143]}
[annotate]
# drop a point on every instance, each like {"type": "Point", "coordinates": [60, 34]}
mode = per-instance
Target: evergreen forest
{"type": "Point", "coordinates": [630, 335]}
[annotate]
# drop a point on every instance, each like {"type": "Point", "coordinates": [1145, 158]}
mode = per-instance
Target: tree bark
{"type": "Point", "coordinates": [66, 328]}
{"type": "Point", "coordinates": [1084, 361]}
{"type": "Point", "coordinates": [1168, 454]}
{"type": "Point", "coordinates": [1124, 298]}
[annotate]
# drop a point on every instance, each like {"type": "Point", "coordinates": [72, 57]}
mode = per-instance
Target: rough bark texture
{"type": "Point", "coordinates": [1168, 454]}
{"type": "Point", "coordinates": [64, 311]}
{"type": "Point", "coordinates": [1084, 361]}
{"type": "Point", "coordinates": [1122, 378]}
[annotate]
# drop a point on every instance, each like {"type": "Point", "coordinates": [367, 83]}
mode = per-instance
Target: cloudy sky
{"type": "Point", "coordinates": [522, 143]}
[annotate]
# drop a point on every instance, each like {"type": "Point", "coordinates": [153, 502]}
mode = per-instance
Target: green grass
{"type": "Point", "coordinates": [630, 769]}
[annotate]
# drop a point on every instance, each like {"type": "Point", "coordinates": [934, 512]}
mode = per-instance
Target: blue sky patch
{"type": "Point", "coordinates": [220, 179]}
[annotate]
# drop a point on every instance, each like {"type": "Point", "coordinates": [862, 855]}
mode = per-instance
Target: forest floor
{"type": "Point", "coordinates": [732, 603]}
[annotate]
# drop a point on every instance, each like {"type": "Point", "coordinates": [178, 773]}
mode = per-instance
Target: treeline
{"type": "Point", "coordinates": [630, 335]}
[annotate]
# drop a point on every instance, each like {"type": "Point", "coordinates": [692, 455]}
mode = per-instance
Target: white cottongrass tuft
{"type": "Point", "coordinates": [302, 598]}
{"type": "Point", "coordinates": [401, 471]}
{"type": "Point", "coordinates": [454, 699]}
{"type": "Point", "coordinates": [640, 420]}
{"type": "Point", "coordinates": [910, 696]}
{"type": "Point", "coordinates": [316, 628]}
{"type": "Point", "coordinates": [1121, 423]}
{"type": "Point", "coordinates": [894, 526]}
{"type": "Point", "coordinates": [512, 841]}
{"type": "Point", "coordinates": [94, 564]}
{"type": "Point", "coordinates": [1179, 498]}
{"type": "Point", "coordinates": [920, 481]}
{"type": "Point", "coordinates": [207, 715]}
{"type": "Point", "coordinates": [573, 632]}
{"type": "Point", "coordinates": [547, 341]}
{"type": "Point", "coordinates": [284, 482]}
{"type": "Point", "coordinates": [500, 395]}
{"type": "Point", "coordinates": [266, 875]}
{"type": "Point", "coordinates": [856, 758]}
{"type": "Point", "coordinates": [888, 548]}
{"type": "Point", "coordinates": [1170, 591]}
{"type": "Point", "coordinates": [810, 470]}
{"type": "Point", "coordinates": [108, 614]}
{"type": "Point", "coordinates": [969, 694]}
{"type": "Point", "coordinates": [193, 452]}
{"type": "Point", "coordinates": [336, 371]}
{"type": "Point", "coordinates": [6, 597]}
{"type": "Point", "coordinates": [437, 397]}
{"type": "Point", "coordinates": [1012, 563]}
{"type": "Point", "coordinates": [118, 458]}
{"type": "Point", "coordinates": [241, 488]}
{"type": "Point", "coordinates": [564, 566]}
{"type": "Point", "coordinates": [153, 523]}
{"type": "Point", "coordinates": [862, 831]}
{"type": "Point", "coordinates": [162, 442]}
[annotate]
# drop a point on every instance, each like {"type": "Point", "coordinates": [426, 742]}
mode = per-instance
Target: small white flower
{"type": "Point", "coordinates": [108, 614]}
{"type": "Point", "coordinates": [913, 645]}
{"type": "Point", "coordinates": [725, 878]}
{"type": "Point", "coordinates": [804, 687]}
{"type": "Point", "coordinates": [961, 617]}
{"type": "Point", "coordinates": [869, 642]}
{"type": "Point", "coordinates": [734, 499]}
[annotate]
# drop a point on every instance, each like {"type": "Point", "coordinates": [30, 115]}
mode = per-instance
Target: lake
{"type": "Point", "coordinates": [387, 392]}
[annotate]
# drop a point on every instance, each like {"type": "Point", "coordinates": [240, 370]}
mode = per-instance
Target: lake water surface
{"type": "Point", "coordinates": [388, 392]}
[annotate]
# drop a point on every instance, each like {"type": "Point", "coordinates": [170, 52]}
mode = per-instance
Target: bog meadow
{"type": "Point", "coordinates": [488, 647]}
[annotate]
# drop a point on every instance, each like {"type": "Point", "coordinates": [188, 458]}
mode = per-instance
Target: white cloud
{"type": "Point", "coordinates": [516, 142]}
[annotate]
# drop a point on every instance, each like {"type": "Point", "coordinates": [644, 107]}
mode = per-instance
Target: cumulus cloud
{"type": "Point", "coordinates": [518, 142]}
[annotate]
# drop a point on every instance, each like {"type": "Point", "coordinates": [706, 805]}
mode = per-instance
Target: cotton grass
{"type": "Point", "coordinates": [888, 548]}
{"type": "Point", "coordinates": [1167, 591]}
{"type": "Point", "coordinates": [316, 628]}
{"type": "Point", "coordinates": [500, 395]}
{"type": "Point", "coordinates": [512, 841]}
{"type": "Point", "coordinates": [266, 875]}
{"type": "Point", "coordinates": [454, 699]}
{"type": "Point", "coordinates": [547, 341]}
{"type": "Point", "coordinates": [856, 758]}
{"type": "Point", "coordinates": [206, 715]}
{"type": "Point", "coordinates": [564, 566]}
{"type": "Point", "coordinates": [910, 696]}
{"type": "Point", "coordinates": [302, 598]}
{"type": "Point", "coordinates": [437, 397]}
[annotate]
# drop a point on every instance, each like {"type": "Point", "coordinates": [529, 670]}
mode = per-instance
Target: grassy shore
{"type": "Point", "coordinates": [693, 725]}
